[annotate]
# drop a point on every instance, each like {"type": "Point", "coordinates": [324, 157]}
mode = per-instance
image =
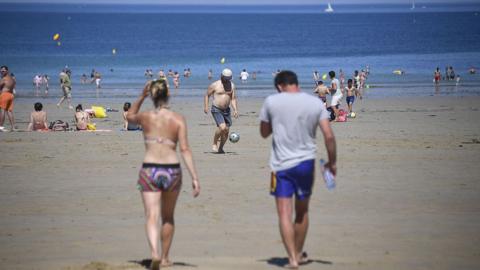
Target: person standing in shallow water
{"type": "Point", "coordinates": [292, 118]}
{"type": "Point", "coordinates": [160, 178]}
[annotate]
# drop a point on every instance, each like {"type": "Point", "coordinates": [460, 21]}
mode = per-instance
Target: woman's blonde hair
{"type": "Point", "coordinates": [159, 92]}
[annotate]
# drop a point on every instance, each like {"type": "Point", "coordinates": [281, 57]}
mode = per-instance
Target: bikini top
{"type": "Point", "coordinates": [159, 140]}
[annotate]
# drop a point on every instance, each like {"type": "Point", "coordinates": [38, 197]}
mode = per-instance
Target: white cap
{"type": "Point", "coordinates": [227, 73]}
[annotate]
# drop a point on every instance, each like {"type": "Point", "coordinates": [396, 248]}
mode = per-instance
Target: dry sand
{"type": "Point", "coordinates": [408, 194]}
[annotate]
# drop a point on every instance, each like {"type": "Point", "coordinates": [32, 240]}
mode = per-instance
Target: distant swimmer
{"type": "Point", "coordinates": [7, 87]}
{"type": "Point", "coordinates": [244, 76]}
{"type": "Point", "coordinates": [437, 76]}
{"type": "Point", "coordinates": [342, 78]}
{"type": "Point", "coordinates": [316, 77]}
{"type": "Point", "coordinates": [275, 73]}
{"type": "Point", "coordinates": [160, 177]}
{"type": "Point", "coordinates": [66, 85]}
{"type": "Point", "coordinates": [37, 82]}
{"type": "Point", "coordinates": [223, 92]}
{"type": "Point", "coordinates": [254, 75]}
{"type": "Point", "coordinates": [83, 79]}
{"type": "Point", "coordinates": [293, 118]}
{"type": "Point", "coordinates": [98, 79]}
{"type": "Point", "coordinates": [210, 74]}
{"type": "Point", "coordinates": [176, 79]}
{"type": "Point", "coordinates": [45, 81]}
{"type": "Point", "coordinates": [472, 70]}
{"type": "Point", "coordinates": [161, 75]}
{"type": "Point", "coordinates": [170, 73]}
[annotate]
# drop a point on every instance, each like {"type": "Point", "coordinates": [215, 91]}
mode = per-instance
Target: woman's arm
{"type": "Point", "coordinates": [132, 115]}
{"type": "Point", "coordinates": [187, 156]}
{"type": "Point", "coordinates": [30, 125]}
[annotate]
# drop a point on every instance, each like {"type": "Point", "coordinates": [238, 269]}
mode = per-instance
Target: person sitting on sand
{"type": "Point", "coordinates": [38, 119]}
{"type": "Point", "coordinates": [127, 125]}
{"type": "Point", "coordinates": [160, 177]}
{"type": "Point", "coordinates": [321, 90]}
{"type": "Point", "coordinates": [82, 118]}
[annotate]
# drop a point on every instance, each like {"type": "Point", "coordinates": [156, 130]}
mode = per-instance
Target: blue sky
{"type": "Point", "coordinates": [236, 2]}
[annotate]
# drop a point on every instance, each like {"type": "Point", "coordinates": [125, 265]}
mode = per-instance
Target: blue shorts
{"type": "Point", "coordinates": [350, 100]}
{"type": "Point", "coordinates": [298, 180]}
{"type": "Point", "coordinates": [221, 116]}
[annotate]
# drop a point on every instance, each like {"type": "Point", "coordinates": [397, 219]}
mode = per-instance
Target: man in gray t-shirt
{"type": "Point", "coordinates": [292, 117]}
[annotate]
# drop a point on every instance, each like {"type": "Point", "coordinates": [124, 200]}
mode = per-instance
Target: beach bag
{"type": "Point", "coordinates": [58, 125]}
{"type": "Point", "coordinates": [99, 112]}
{"type": "Point", "coordinates": [91, 126]}
{"type": "Point", "coordinates": [342, 116]}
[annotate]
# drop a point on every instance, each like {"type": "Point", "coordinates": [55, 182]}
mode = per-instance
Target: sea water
{"type": "Point", "coordinates": [257, 38]}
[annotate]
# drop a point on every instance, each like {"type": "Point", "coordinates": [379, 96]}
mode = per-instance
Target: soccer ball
{"type": "Point", "coordinates": [234, 137]}
{"type": "Point", "coordinates": [353, 115]}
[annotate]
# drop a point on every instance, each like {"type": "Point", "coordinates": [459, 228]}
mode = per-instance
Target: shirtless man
{"type": "Point", "coordinates": [223, 92]}
{"type": "Point", "coordinates": [38, 119]}
{"type": "Point", "coordinates": [7, 86]}
{"type": "Point", "coordinates": [321, 90]}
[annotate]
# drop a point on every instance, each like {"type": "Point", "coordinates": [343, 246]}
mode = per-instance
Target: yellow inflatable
{"type": "Point", "coordinates": [99, 111]}
{"type": "Point", "coordinates": [91, 126]}
{"type": "Point", "coordinates": [56, 36]}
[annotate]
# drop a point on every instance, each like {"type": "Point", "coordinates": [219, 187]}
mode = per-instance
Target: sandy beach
{"type": "Point", "coordinates": [407, 195]}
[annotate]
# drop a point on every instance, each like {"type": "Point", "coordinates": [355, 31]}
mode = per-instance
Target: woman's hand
{"type": "Point", "coordinates": [196, 188]}
{"type": "Point", "coordinates": [146, 89]}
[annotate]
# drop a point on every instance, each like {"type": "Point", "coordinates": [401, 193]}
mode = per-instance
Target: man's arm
{"type": "Point", "coordinates": [330, 145]}
{"type": "Point", "coordinates": [234, 102]}
{"type": "Point", "coordinates": [210, 91]}
{"type": "Point", "coordinates": [265, 129]}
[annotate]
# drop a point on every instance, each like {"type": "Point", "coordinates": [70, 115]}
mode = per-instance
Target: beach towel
{"type": "Point", "coordinates": [58, 125]}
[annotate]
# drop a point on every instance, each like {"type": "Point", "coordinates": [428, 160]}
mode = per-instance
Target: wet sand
{"type": "Point", "coordinates": [407, 195]}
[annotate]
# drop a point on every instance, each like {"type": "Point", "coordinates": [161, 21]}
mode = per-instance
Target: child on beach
{"type": "Point", "coordinates": [351, 93]}
{"type": "Point", "coordinates": [176, 79]}
{"type": "Point", "coordinates": [160, 178]}
{"type": "Point", "coordinates": [38, 119]}
{"type": "Point", "coordinates": [321, 90]}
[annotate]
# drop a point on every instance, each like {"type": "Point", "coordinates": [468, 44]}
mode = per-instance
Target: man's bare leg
{"type": "Point", "coordinates": [216, 137]}
{"type": "Point", "coordinates": [301, 226]}
{"type": "Point", "coordinates": [223, 137]}
{"type": "Point", "coordinates": [169, 200]}
{"type": "Point", "coordinates": [61, 101]}
{"type": "Point", "coordinates": [69, 101]}
{"type": "Point", "coordinates": [350, 107]}
{"type": "Point", "coordinates": [2, 117]}
{"type": "Point", "coordinates": [11, 120]}
{"type": "Point", "coordinates": [284, 209]}
{"type": "Point", "coordinates": [151, 203]}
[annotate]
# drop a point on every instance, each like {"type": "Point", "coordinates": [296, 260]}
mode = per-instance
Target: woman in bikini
{"type": "Point", "coordinates": [82, 118]}
{"type": "Point", "coordinates": [160, 178]}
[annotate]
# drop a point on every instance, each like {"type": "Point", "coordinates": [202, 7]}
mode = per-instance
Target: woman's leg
{"type": "Point", "coordinates": [151, 203]}
{"type": "Point", "coordinates": [169, 200]}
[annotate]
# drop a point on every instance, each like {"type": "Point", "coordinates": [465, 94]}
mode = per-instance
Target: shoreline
{"type": "Point", "coordinates": [406, 196]}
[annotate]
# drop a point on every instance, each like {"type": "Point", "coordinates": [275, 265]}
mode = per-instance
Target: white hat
{"type": "Point", "coordinates": [227, 73]}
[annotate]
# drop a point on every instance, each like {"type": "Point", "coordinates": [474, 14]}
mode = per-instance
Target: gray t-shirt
{"type": "Point", "coordinates": [294, 118]}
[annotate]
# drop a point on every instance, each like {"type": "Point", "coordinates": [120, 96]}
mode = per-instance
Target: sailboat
{"type": "Point", "coordinates": [413, 5]}
{"type": "Point", "coordinates": [329, 9]}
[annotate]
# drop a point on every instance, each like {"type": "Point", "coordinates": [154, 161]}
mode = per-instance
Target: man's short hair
{"type": "Point", "coordinates": [285, 77]}
{"type": "Point", "coordinates": [4, 67]}
{"type": "Point", "coordinates": [331, 74]}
